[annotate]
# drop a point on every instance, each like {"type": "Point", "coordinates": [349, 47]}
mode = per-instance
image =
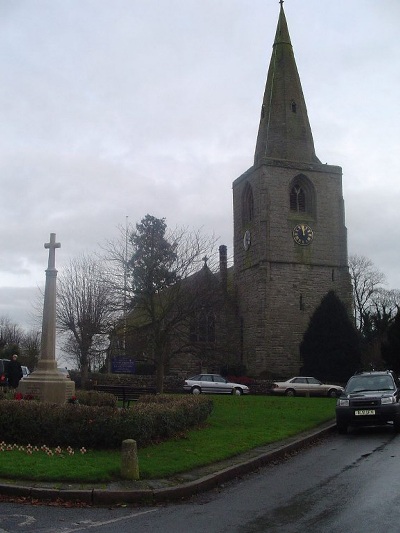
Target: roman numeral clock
{"type": "Point", "coordinates": [302, 234]}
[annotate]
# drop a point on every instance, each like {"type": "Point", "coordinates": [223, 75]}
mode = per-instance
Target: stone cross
{"type": "Point", "coordinates": [52, 245]}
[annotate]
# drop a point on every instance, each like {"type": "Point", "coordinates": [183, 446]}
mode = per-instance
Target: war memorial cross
{"type": "Point", "coordinates": [52, 245]}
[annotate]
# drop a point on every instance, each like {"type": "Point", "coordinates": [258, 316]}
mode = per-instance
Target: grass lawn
{"type": "Point", "coordinates": [237, 424]}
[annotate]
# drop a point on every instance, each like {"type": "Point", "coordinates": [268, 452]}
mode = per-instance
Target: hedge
{"type": "Point", "coordinates": [151, 419]}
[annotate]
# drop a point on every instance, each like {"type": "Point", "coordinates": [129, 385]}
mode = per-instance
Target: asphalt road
{"type": "Point", "coordinates": [343, 483]}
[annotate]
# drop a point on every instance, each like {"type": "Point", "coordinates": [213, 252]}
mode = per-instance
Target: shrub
{"type": "Point", "coordinates": [35, 423]}
{"type": "Point", "coordinates": [100, 399]}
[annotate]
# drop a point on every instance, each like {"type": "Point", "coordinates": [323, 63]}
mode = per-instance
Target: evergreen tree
{"type": "Point", "coordinates": [154, 259]}
{"type": "Point", "coordinates": [330, 349]}
{"type": "Point", "coordinates": [391, 347]}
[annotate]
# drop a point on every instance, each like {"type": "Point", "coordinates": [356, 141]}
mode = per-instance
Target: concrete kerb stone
{"type": "Point", "coordinates": [19, 491]}
{"type": "Point", "coordinates": [180, 491]}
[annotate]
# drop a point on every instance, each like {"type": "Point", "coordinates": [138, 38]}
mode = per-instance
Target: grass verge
{"type": "Point", "coordinates": [236, 425]}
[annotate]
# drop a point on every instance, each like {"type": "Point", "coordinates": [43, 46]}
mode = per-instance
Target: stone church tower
{"type": "Point", "coordinates": [290, 239]}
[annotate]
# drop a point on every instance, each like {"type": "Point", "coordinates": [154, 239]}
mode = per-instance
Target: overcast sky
{"type": "Point", "coordinates": [118, 109]}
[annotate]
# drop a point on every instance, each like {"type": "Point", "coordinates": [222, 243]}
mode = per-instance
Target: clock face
{"type": "Point", "coordinates": [246, 240]}
{"type": "Point", "coordinates": [302, 234]}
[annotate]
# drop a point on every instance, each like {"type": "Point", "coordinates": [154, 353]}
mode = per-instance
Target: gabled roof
{"type": "Point", "coordinates": [200, 288]}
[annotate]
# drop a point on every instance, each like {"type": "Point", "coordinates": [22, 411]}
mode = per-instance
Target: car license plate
{"type": "Point", "coordinates": [365, 412]}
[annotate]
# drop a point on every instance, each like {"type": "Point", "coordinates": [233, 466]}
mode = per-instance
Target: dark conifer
{"type": "Point", "coordinates": [330, 349]}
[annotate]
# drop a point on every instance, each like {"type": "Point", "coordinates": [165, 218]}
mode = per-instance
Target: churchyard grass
{"type": "Point", "coordinates": [236, 425]}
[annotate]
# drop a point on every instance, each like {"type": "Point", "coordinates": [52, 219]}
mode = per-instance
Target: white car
{"type": "Point", "coordinates": [64, 371]}
{"type": "Point", "coordinates": [25, 371]}
{"type": "Point", "coordinates": [301, 385]}
{"type": "Point", "coordinates": [213, 384]}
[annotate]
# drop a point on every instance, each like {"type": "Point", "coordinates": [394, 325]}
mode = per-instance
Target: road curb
{"type": "Point", "coordinates": [181, 491]}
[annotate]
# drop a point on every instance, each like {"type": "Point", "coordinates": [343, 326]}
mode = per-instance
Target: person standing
{"type": "Point", "coordinates": [14, 372]}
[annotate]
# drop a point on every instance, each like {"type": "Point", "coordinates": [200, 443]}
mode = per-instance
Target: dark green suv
{"type": "Point", "coordinates": [369, 399]}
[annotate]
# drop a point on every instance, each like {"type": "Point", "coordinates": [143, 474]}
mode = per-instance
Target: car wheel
{"type": "Point", "coordinates": [290, 392]}
{"type": "Point", "coordinates": [333, 393]}
{"type": "Point", "coordinates": [237, 391]}
{"type": "Point", "coordinates": [341, 427]}
{"type": "Point", "coordinates": [196, 390]}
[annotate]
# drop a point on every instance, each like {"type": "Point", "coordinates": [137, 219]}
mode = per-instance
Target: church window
{"type": "Point", "coordinates": [302, 195]}
{"type": "Point", "coordinates": [262, 111]}
{"type": "Point", "coordinates": [202, 327]}
{"type": "Point", "coordinates": [293, 105]}
{"type": "Point", "coordinates": [333, 274]}
{"type": "Point", "coordinates": [297, 199]}
{"type": "Point", "coordinates": [247, 204]}
{"type": "Point", "coordinates": [301, 302]}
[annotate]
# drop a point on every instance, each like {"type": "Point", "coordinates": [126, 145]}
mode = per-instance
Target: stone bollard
{"type": "Point", "coordinates": [129, 460]}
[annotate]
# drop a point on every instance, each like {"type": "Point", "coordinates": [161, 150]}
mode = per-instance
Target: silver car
{"type": "Point", "coordinates": [306, 386]}
{"type": "Point", "coordinates": [213, 384]}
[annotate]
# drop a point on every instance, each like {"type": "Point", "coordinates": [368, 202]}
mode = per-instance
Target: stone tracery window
{"type": "Point", "coordinates": [302, 195]}
{"type": "Point", "coordinates": [297, 198]}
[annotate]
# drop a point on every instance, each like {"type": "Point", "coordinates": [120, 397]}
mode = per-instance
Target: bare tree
{"type": "Point", "coordinates": [10, 333]}
{"type": "Point", "coordinates": [96, 356]}
{"type": "Point", "coordinates": [13, 339]}
{"type": "Point", "coordinates": [115, 259]}
{"type": "Point", "coordinates": [85, 309]}
{"type": "Point", "coordinates": [367, 280]}
{"type": "Point", "coordinates": [30, 348]}
{"type": "Point", "coordinates": [386, 300]}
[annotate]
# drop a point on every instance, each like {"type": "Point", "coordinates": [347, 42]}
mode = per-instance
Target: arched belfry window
{"type": "Point", "coordinates": [247, 204]}
{"type": "Point", "coordinates": [302, 195]}
{"type": "Point", "coordinates": [297, 198]}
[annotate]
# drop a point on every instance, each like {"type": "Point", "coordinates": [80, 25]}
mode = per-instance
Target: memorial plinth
{"type": "Point", "coordinates": [46, 383]}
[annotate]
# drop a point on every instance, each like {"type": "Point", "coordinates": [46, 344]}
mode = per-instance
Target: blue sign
{"type": "Point", "coordinates": [123, 365]}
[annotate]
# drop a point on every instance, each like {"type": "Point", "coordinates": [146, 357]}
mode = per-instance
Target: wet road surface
{"type": "Point", "coordinates": [343, 483]}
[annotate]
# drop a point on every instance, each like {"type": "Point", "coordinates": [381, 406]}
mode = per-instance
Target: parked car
{"type": "Point", "coordinates": [25, 371]}
{"type": "Point", "coordinates": [213, 384]}
{"type": "Point", "coordinates": [369, 399]}
{"type": "Point", "coordinates": [3, 372]}
{"type": "Point", "coordinates": [303, 385]}
{"type": "Point", "coordinates": [64, 371]}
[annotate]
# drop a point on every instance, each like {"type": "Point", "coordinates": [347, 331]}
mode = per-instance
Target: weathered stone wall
{"type": "Point", "coordinates": [280, 283]}
{"type": "Point", "coordinates": [171, 383]}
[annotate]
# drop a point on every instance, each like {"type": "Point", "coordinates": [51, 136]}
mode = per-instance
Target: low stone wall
{"type": "Point", "coordinates": [171, 383]}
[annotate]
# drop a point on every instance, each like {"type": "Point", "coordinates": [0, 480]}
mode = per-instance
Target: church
{"type": "Point", "coordinates": [290, 241]}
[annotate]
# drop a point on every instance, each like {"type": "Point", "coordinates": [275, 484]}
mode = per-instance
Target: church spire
{"type": "Point", "coordinates": [284, 131]}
